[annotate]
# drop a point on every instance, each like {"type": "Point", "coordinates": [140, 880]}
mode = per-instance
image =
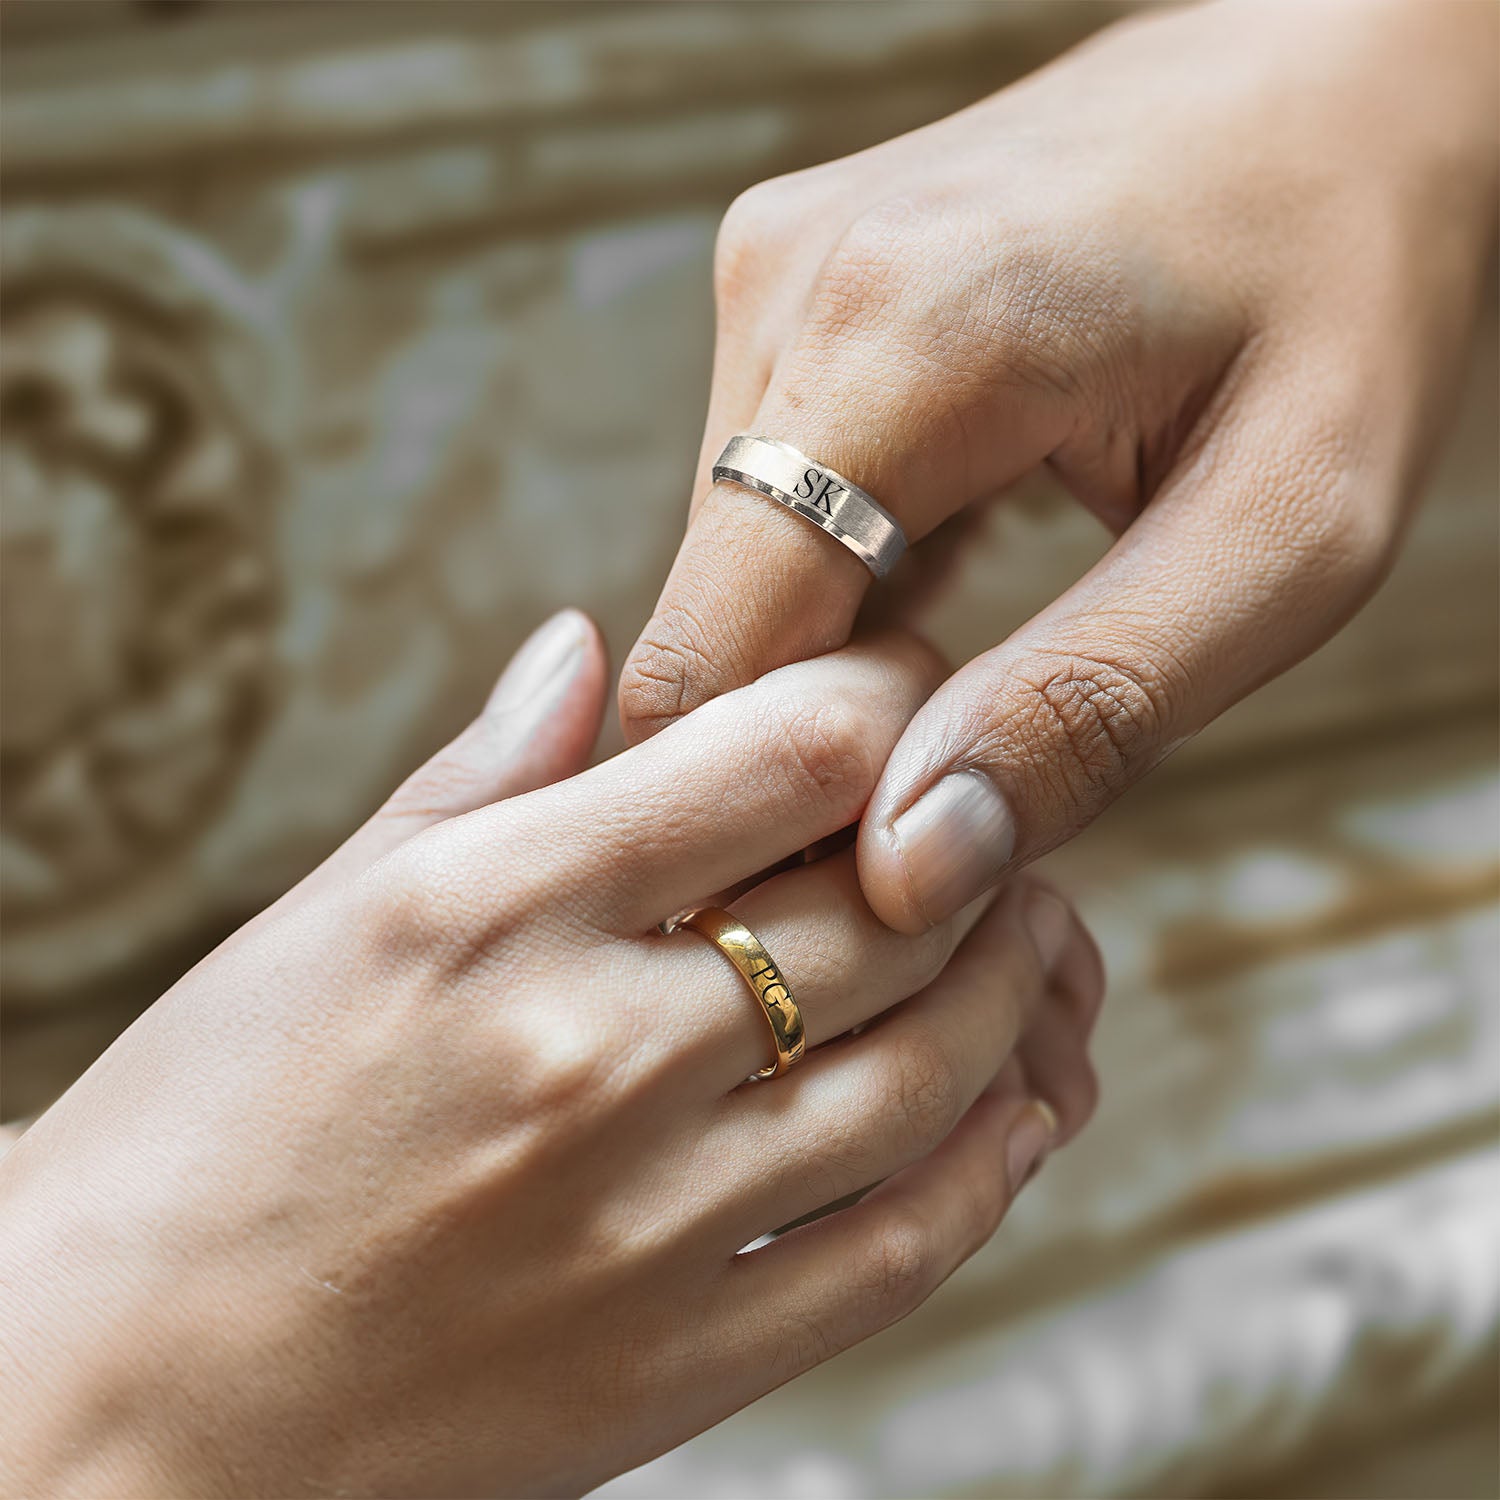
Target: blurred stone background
{"type": "Point", "coordinates": [342, 342]}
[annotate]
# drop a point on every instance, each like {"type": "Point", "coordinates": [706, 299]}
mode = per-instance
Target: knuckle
{"type": "Point", "coordinates": [922, 1091]}
{"type": "Point", "coordinates": [1345, 541]}
{"type": "Point", "coordinates": [1104, 717]}
{"type": "Point", "coordinates": [415, 914]}
{"type": "Point", "coordinates": [568, 1065]}
{"type": "Point", "coordinates": [821, 1180]}
{"type": "Point", "coordinates": [1336, 527]}
{"type": "Point", "coordinates": [430, 909]}
{"type": "Point", "coordinates": [1046, 309]}
{"type": "Point", "coordinates": [654, 682]}
{"type": "Point", "coordinates": [748, 226]}
{"type": "Point", "coordinates": [805, 1342]}
{"type": "Point", "coordinates": [862, 275]}
{"type": "Point", "coordinates": [847, 1156]}
{"type": "Point", "coordinates": [827, 749]}
{"type": "Point", "coordinates": [898, 1270]}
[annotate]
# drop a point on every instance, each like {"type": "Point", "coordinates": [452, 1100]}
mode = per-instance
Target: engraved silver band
{"type": "Point", "coordinates": [818, 494]}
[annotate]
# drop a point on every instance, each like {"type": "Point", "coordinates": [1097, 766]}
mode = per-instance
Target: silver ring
{"type": "Point", "coordinates": [818, 494]}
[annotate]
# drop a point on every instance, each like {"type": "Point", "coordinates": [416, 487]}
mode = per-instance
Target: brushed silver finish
{"type": "Point", "coordinates": [818, 494]}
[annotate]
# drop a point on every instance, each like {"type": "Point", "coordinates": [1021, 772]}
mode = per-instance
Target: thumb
{"type": "Point", "coordinates": [538, 726]}
{"type": "Point", "coordinates": [1244, 563]}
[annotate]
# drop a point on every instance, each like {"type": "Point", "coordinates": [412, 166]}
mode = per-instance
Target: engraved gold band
{"type": "Point", "coordinates": [818, 494]}
{"type": "Point", "coordinates": [745, 951]}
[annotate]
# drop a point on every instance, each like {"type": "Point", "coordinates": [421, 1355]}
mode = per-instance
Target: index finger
{"type": "Point", "coordinates": [756, 586]}
{"type": "Point", "coordinates": [758, 775]}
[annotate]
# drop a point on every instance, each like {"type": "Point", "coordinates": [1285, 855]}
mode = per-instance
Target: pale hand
{"type": "Point", "coordinates": [431, 1180]}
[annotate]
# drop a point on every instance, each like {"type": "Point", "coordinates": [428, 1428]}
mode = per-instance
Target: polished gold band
{"type": "Point", "coordinates": [746, 952]}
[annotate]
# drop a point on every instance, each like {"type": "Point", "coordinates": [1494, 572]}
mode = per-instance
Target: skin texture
{"type": "Point", "coordinates": [432, 1179]}
{"type": "Point", "coordinates": [1216, 268]}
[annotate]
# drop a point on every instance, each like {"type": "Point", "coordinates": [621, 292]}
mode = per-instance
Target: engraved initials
{"type": "Point", "coordinates": [819, 489]}
{"type": "Point", "coordinates": [768, 980]}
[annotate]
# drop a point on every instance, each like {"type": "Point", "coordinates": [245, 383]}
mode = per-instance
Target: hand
{"type": "Point", "coordinates": [431, 1180]}
{"type": "Point", "coordinates": [1216, 268]}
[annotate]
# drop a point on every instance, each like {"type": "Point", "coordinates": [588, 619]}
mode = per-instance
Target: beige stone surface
{"type": "Point", "coordinates": [344, 341]}
{"type": "Point", "coordinates": [380, 284]}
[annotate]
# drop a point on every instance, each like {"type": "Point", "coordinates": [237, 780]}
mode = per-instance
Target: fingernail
{"type": "Point", "coordinates": [1029, 1138]}
{"type": "Point", "coordinates": [953, 842]}
{"type": "Point", "coordinates": [1048, 922]}
{"type": "Point", "coordinates": [539, 673]}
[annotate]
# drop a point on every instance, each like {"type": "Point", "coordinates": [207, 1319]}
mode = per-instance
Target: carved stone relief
{"type": "Point", "coordinates": [138, 582]}
{"type": "Point", "coordinates": [368, 378]}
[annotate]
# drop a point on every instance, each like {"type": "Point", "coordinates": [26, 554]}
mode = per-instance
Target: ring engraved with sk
{"type": "Point", "coordinates": [817, 494]}
{"type": "Point", "coordinates": [760, 971]}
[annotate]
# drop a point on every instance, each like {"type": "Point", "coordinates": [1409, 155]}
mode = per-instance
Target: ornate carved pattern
{"type": "Point", "coordinates": [138, 583]}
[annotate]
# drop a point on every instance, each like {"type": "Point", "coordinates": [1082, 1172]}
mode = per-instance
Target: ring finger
{"type": "Point", "coordinates": [842, 965]}
{"type": "Point", "coordinates": [860, 1111]}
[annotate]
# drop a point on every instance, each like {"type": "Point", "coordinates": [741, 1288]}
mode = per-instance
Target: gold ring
{"type": "Point", "coordinates": [747, 953]}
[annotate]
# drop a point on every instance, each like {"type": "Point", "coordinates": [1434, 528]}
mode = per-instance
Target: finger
{"type": "Point", "coordinates": [538, 726]}
{"type": "Point", "coordinates": [736, 389]}
{"type": "Point", "coordinates": [1255, 553]}
{"type": "Point", "coordinates": [867, 1108]}
{"type": "Point", "coordinates": [763, 267]}
{"type": "Point", "coordinates": [1078, 979]}
{"type": "Point", "coordinates": [870, 388]}
{"type": "Point", "coordinates": [1054, 1055]}
{"type": "Point", "coordinates": [1084, 981]}
{"type": "Point", "coordinates": [730, 791]}
{"type": "Point", "coordinates": [842, 964]}
{"type": "Point", "coordinates": [826, 1286]}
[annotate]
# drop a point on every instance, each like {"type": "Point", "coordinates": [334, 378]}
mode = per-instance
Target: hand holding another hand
{"type": "Point", "coordinates": [1216, 268]}
{"type": "Point", "coordinates": [433, 1179]}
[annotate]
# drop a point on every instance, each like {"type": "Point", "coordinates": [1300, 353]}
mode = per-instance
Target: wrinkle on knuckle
{"type": "Point", "coordinates": [1042, 311]}
{"type": "Point", "coordinates": [1329, 528]}
{"type": "Point", "coordinates": [697, 646]}
{"type": "Point", "coordinates": [819, 1178]}
{"type": "Point", "coordinates": [825, 750]}
{"type": "Point", "coordinates": [1103, 717]}
{"type": "Point", "coordinates": [654, 683]}
{"type": "Point", "coordinates": [897, 1271]}
{"type": "Point", "coordinates": [844, 1156]}
{"type": "Point", "coordinates": [866, 272]}
{"type": "Point", "coordinates": [1343, 539]}
{"type": "Point", "coordinates": [921, 1091]}
{"type": "Point", "coordinates": [803, 1343]}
